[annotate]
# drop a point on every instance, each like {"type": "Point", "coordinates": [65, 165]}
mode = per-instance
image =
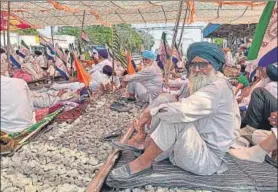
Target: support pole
{"type": "Point", "coordinates": [4, 38]}
{"type": "Point", "coordinates": [83, 20]}
{"type": "Point", "coordinates": [82, 28]}
{"type": "Point", "coordinates": [170, 63]}
{"type": "Point", "coordinates": [182, 29]}
{"type": "Point", "coordinates": [113, 60]}
{"type": "Point", "coordinates": [52, 39]}
{"type": "Point", "coordinates": [8, 33]}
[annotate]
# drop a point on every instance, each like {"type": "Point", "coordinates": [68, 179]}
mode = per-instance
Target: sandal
{"type": "Point", "coordinates": [112, 135]}
{"type": "Point", "coordinates": [123, 173]}
{"type": "Point", "coordinates": [126, 147]}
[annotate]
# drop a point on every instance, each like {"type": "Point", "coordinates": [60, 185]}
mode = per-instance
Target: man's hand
{"type": "Point", "coordinates": [273, 119]}
{"type": "Point", "coordinates": [246, 92]}
{"type": "Point", "coordinates": [146, 118]}
{"type": "Point", "coordinates": [127, 78]}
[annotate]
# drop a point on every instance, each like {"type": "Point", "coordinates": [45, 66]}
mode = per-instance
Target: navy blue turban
{"type": "Point", "coordinates": [272, 71]}
{"type": "Point", "coordinates": [103, 53]}
{"type": "Point", "coordinates": [208, 51]}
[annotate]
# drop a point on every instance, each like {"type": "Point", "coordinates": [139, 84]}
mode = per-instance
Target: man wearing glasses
{"type": "Point", "coordinates": [196, 132]}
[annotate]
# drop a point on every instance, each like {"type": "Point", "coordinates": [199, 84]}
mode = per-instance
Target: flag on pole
{"type": "Point", "coordinates": [24, 49]}
{"type": "Point", "coordinates": [263, 50]}
{"type": "Point", "coordinates": [85, 37]}
{"type": "Point", "coordinates": [163, 49]}
{"type": "Point", "coordinates": [130, 68]}
{"type": "Point", "coordinates": [43, 42]}
{"type": "Point", "coordinates": [15, 62]}
{"type": "Point", "coordinates": [82, 74]}
{"type": "Point", "coordinates": [60, 53]}
{"type": "Point", "coordinates": [61, 68]}
{"type": "Point", "coordinates": [175, 55]}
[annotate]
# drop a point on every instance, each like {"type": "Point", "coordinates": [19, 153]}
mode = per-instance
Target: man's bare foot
{"type": "Point", "coordinates": [138, 165]}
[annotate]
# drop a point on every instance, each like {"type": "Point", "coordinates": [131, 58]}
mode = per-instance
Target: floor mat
{"type": "Point", "coordinates": [71, 115]}
{"type": "Point", "coordinates": [241, 176]}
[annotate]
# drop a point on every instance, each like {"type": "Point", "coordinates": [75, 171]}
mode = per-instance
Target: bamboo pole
{"type": "Point", "coordinates": [8, 32]}
{"type": "Point", "coordinates": [96, 184]}
{"type": "Point", "coordinates": [82, 25]}
{"type": "Point", "coordinates": [182, 29]}
{"type": "Point", "coordinates": [4, 38]}
{"type": "Point", "coordinates": [168, 68]}
{"type": "Point", "coordinates": [52, 38]}
{"type": "Point", "coordinates": [113, 60]}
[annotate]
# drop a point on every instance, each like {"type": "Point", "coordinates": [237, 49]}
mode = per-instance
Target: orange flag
{"type": "Point", "coordinates": [82, 74]}
{"type": "Point", "coordinates": [130, 68]}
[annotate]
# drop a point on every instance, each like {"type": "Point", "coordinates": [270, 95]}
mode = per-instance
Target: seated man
{"type": "Point", "coordinates": [32, 68]}
{"type": "Point", "coordinates": [146, 85]}
{"type": "Point", "coordinates": [40, 60]}
{"type": "Point", "coordinates": [263, 102]}
{"type": "Point", "coordinates": [265, 142]}
{"type": "Point", "coordinates": [196, 132]}
{"type": "Point", "coordinates": [16, 105]}
{"type": "Point", "coordinates": [245, 96]}
{"type": "Point", "coordinates": [100, 59]}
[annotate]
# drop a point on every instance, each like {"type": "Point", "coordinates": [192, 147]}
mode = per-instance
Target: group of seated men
{"type": "Point", "coordinates": [195, 128]}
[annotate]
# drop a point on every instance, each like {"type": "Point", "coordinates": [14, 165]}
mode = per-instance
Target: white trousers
{"type": "Point", "coordinates": [70, 86]}
{"type": "Point", "coordinates": [185, 148]}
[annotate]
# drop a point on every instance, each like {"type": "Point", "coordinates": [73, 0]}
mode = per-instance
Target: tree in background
{"type": "Point", "coordinates": [27, 32]}
{"type": "Point", "coordinates": [101, 35]}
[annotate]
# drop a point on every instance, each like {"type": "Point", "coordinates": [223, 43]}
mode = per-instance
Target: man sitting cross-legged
{"type": "Point", "coordinates": [196, 132]}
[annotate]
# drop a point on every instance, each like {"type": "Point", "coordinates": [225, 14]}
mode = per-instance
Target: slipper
{"type": "Point", "coordinates": [119, 107]}
{"type": "Point", "coordinates": [126, 147]}
{"type": "Point", "coordinates": [111, 135]}
{"type": "Point", "coordinates": [127, 99]}
{"type": "Point", "coordinates": [123, 173]}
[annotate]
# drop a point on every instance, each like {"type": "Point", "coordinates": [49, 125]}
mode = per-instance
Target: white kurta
{"type": "Point", "coordinates": [99, 78]}
{"type": "Point", "coordinates": [40, 61]}
{"type": "Point", "coordinates": [16, 105]}
{"type": "Point", "coordinates": [205, 122]}
{"type": "Point", "coordinates": [150, 78]}
{"type": "Point", "coordinates": [99, 66]}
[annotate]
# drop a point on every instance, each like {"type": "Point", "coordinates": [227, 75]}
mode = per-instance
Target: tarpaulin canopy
{"type": "Point", "coordinates": [70, 13]}
{"type": "Point", "coordinates": [222, 31]}
{"type": "Point", "coordinates": [16, 23]}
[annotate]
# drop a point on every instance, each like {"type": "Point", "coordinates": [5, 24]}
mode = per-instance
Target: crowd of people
{"type": "Point", "coordinates": [194, 126]}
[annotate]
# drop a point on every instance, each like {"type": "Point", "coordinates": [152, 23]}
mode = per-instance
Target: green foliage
{"type": "Point", "coordinates": [27, 32]}
{"type": "Point", "coordinates": [101, 35]}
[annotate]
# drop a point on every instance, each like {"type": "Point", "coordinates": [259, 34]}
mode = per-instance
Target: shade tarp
{"type": "Point", "coordinates": [223, 31]}
{"type": "Point", "coordinates": [16, 23]}
{"type": "Point", "coordinates": [70, 13]}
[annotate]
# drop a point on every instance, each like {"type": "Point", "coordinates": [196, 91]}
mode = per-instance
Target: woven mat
{"type": "Point", "coordinates": [241, 176]}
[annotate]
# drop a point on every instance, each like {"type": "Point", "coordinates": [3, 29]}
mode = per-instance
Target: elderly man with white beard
{"type": "Point", "coordinates": [196, 132]}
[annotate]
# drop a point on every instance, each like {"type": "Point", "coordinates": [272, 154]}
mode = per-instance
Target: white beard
{"type": "Point", "coordinates": [200, 80]}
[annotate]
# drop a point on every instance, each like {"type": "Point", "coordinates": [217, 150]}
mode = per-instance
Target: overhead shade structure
{"type": "Point", "coordinates": [70, 13]}
{"type": "Point", "coordinates": [16, 23]}
{"type": "Point", "coordinates": [210, 28]}
{"type": "Point", "coordinates": [222, 31]}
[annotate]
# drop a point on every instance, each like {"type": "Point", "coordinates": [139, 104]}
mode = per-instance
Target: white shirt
{"type": "Point", "coordinates": [40, 61]}
{"type": "Point", "coordinates": [16, 105]}
{"type": "Point", "coordinates": [99, 66]}
{"type": "Point", "coordinates": [99, 78]}
{"type": "Point", "coordinates": [214, 111]}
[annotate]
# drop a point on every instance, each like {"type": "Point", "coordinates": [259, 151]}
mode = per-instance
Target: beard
{"type": "Point", "coordinates": [197, 81]}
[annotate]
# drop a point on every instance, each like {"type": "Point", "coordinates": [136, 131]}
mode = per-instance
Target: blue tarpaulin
{"type": "Point", "coordinates": [210, 29]}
